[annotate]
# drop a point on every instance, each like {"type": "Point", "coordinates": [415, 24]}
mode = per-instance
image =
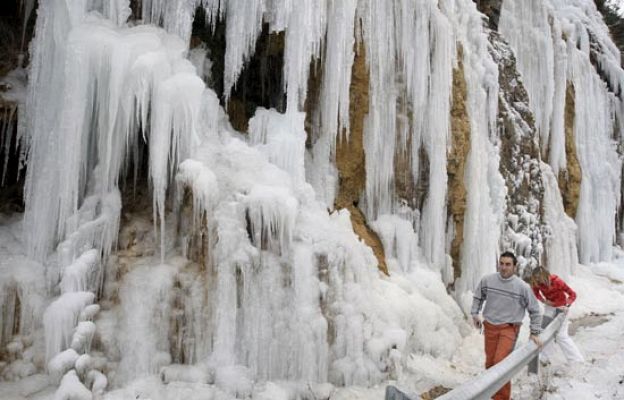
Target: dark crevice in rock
{"type": "Point", "coordinates": [492, 9]}
{"type": "Point", "coordinates": [260, 83]}
{"type": "Point", "coordinates": [11, 29]}
{"type": "Point", "coordinates": [12, 170]}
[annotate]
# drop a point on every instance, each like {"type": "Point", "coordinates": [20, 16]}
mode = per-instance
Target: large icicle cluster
{"type": "Point", "coordinates": [575, 51]}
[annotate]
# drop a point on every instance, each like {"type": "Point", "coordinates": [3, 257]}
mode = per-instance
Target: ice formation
{"type": "Point", "coordinates": [576, 35]}
{"type": "Point", "coordinates": [279, 287]}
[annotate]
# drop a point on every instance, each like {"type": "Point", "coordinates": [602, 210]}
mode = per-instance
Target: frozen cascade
{"type": "Point", "coordinates": [332, 117]}
{"type": "Point", "coordinates": [130, 64]}
{"type": "Point", "coordinates": [485, 197]}
{"type": "Point", "coordinates": [173, 131]}
{"type": "Point", "coordinates": [423, 42]}
{"type": "Point", "coordinates": [561, 241]}
{"type": "Point", "coordinates": [380, 124]}
{"type": "Point", "coordinates": [600, 163]}
{"type": "Point", "coordinates": [576, 33]}
{"type": "Point", "coordinates": [526, 25]}
{"type": "Point", "coordinates": [47, 82]}
{"type": "Point", "coordinates": [284, 290]}
{"type": "Point", "coordinates": [146, 298]}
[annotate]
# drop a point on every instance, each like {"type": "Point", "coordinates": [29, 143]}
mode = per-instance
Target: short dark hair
{"type": "Point", "coordinates": [511, 255]}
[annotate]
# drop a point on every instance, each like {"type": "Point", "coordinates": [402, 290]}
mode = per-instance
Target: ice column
{"type": "Point", "coordinates": [485, 197]}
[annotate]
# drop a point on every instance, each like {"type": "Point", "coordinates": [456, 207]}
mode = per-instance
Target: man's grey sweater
{"type": "Point", "coordinates": [505, 301]}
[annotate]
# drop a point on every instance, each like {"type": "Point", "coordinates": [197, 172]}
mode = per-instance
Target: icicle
{"type": "Point", "coordinates": [525, 25]}
{"type": "Point", "coordinates": [117, 11]}
{"type": "Point", "coordinates": [47, 80]}
{"type": "Point", "coordinates": [204, 187]}
{"type": "Point", "coordinates": [561, 251]}
{"type": "Point", "coordinates": [306, 29]}
{"type": "Point", "coordinates": [600, 164]}
{"type": "Point", "coordinates": [380, 124]}
{"type": "Point", "coordinates": [244, 24]}
{"type": "Point", "coordinates": [78, 277]}
{"type": "Point", "coordinates": [175, 16]}
{"type": "Point", "coordinates": [399, 239]}
{"type": "Point", "coordinates": [434, 120]}
{"type": "Point", "coordinates": [337, 68]}
{"type": "Point", "coordinates": [271, 212]}
{"type": "Point", "coordinates": [6, 134]}
{"type": "Point", "coordinates": [175, 114]}
{"type": "Point", "coordinates": [282, 138]}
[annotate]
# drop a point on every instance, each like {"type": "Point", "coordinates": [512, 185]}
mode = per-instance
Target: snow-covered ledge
{"type": "Point", "coordinates": [485, 385]}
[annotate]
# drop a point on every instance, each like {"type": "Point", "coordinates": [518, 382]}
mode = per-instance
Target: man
{"type": "Point", "coordinates": [506, 298]}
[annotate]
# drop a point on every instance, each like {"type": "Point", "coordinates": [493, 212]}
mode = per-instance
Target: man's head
{"type": "Point", "coordinates": [507, 264]}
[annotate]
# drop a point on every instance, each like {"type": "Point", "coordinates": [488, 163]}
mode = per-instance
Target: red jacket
{"type": "Point", "coordinates": [556, 292]}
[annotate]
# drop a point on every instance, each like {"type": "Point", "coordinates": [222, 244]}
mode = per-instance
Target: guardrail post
{"type": "Point", "coordinates": [393, 393]}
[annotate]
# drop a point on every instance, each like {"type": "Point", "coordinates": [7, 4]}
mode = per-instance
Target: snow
{"type": "Point", "coordinates": [60, 318]}
{"type": "Point", "coordinates": [62, 362]}
{"type": "Point", "coordinates": [72, 389]}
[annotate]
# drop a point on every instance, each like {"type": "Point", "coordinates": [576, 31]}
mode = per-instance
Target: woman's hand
{"type": "Point", "coordinates": [549, 303]}
{"type": "Point", "coordinates": [564, 309]}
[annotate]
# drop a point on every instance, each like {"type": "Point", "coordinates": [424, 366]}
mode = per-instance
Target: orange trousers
{"type": "Point", "coordinates": [499, 342]}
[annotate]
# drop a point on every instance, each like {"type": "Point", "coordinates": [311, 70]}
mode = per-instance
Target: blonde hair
{"type": "Point", "coordinates": [540, 276]}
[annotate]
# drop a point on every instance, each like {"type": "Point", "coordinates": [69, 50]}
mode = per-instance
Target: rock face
{"type": "Point", "coordinates": [520, 159]}
{"type": "Point", "coordinates": [350, 159]}
{"type": "Point", "coordinates": [570, 178]}
{"type": "Point", "coordinates": [460, 146]}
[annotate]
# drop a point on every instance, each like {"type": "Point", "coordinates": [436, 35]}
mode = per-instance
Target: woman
{"type": "Point", "coordinates": [556, 295]}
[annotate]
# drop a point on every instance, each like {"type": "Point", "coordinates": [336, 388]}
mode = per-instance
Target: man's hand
{"type": "Point", "coordinates": [476, 321]}
{"type": "Point", "coordinates": [549, 303]}
{"type": "Point", "coordinates": [536, 340]}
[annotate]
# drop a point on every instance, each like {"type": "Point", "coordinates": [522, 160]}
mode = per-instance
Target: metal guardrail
{"type": "Point", "coordinates": [486, 384]}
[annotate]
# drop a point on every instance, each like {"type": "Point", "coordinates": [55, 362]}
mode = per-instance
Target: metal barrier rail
{"type": "Point", "coordinates": [486, 384]}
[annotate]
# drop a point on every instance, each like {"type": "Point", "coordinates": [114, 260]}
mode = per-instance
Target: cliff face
{"type": "Point", "coordinates": [520, 158]}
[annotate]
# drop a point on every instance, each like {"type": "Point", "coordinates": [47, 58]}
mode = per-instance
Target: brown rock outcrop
{"type": "Point", "coordinates": [570, 178]}
{"type": "Point", "coordinates": [350, 159]}
{"type": "Point", "coordinates": [456, 161]}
